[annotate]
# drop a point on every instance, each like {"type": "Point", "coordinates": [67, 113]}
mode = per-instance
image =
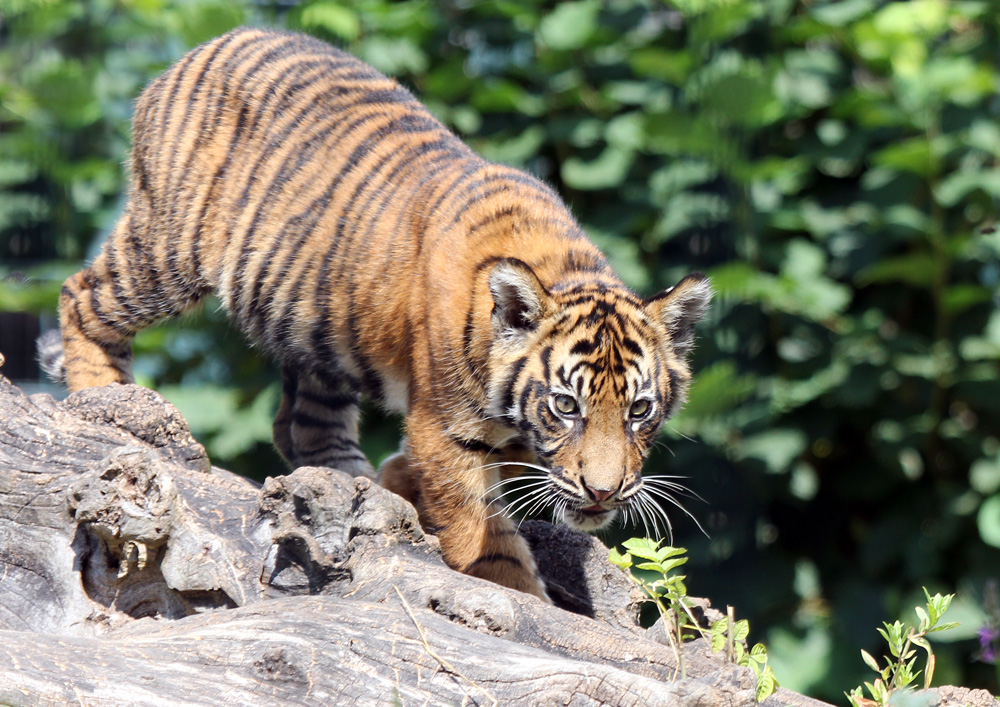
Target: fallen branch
{"type": "Point", "coordinates": [132, 572]}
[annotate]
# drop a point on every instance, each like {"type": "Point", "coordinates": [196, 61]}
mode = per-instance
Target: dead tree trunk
{"type": "Point", "coordinates": [134, 573]}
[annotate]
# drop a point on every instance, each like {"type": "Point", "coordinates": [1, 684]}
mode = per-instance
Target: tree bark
{"type": "Point", "coordinates": [132, 572]}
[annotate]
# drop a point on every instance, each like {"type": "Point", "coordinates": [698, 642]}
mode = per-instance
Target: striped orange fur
{"type": "Point", "coordinates": [367, 249]}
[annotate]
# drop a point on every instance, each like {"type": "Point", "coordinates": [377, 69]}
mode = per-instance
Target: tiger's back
{"type": "Point", "coordinates": [364, 246]}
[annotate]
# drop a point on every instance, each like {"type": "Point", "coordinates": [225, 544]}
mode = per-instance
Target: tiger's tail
{"type": "Point", "coordinates": [51, 356]}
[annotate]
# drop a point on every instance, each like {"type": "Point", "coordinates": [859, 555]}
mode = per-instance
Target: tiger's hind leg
{"type": "Point", "coordinates": [97, 346]}
{"type": "Point", "coordinates": [102, 307]}
{"type": "Point", "coordinates": [317, 423]}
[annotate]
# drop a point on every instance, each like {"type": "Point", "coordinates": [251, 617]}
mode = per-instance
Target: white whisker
{"type": "Point", "coordinates": [678, 504]}
{"type": "Point", "coordinates": [641, 512]}
{"type": "Point", "coordinates": [559, 511]}
{"type": "Point", "coordinates": [689, 439]}
{"type": "Point", "coordinates": [542, 502]}
{"type": "Point", "coordinates": [656, 513]}
{"type": "Point", "coordinates": [667, 491]}
{"type": "Point", "coordinates": [528, 500]}
{"type": "Point", "coordinates": [659, 443]}
{"type": "Point", "coordinates": [626, 515]}
{"type": "Point", "coordinates": [526, 484]}
{"type": "Point", "coordinates": [505, 482]}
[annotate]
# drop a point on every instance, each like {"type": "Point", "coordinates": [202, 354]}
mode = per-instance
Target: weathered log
{"type": "Point", "coordinates": [132, 572]}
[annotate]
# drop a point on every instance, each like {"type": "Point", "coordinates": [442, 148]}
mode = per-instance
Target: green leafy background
{"type": "Point", "coordinates": [831, 165]}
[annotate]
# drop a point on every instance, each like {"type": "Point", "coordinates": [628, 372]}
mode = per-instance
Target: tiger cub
{"type": "Point", "coordinates": [359, 242]}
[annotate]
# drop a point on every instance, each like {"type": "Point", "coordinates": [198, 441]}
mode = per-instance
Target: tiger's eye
{"type": "Point", "coordinates": [565, 405]}
{"type": "Point", "coordinates": [640, 408]}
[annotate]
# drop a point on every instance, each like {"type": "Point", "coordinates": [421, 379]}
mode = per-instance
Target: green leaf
{"type": "Point", "coordinates": [940, 602]}
{"type": "Point", "coordinates": [715, 390]}
{"type": "Point", "coordinates": [249, 426]}
{"type": "Point", "coordinates": [337, 19]}
{"type": "Point", "coordinates": [913, 155]}
{"type": "Point", "coordinates": [988, 521]}
{"type": "Point", "coordinates": [606, 171]}
{"type": "Point", "coordinates": [202, 21]}
{"type": "Point", "coordinates": [958, 186]}
{"type": "Point", "coordinates": [870, 661]}
{"type": "Point", "coordinates": [673, 564]}
{"type": "Point", "coordinates": [766, 685]}
{"type": "Point", "coordinates": [915, 269]}
{"type": "Point", "coordinates": [683, 212]}
{"type": "Point", "coordinates": [515, 150]}
{"type": "Point", "coordinates": [653, 566]}
{"type": "Point", "coordinates": [855, 696]}
{"type": "Point", "coordinates": [777, 448]}
{"type": "Point", "coordinates": [958, 298]}
{"type": "Point", "coordinates": [668, 551]}
{"type": "Point", "coordinates": [570, 25]}
{"type": "Point", "coordinates": [841, 13]}
{"type": "Point", "coordinates": [207, 409]}
{"type": "Point", "coordinates": [616, 558]}
{"type": "Point", "coordinates": [642, 547]}
{"type": "Point", "coordinates": [655, 62]}
{"type": "Point", "coordinates": [394, 55]}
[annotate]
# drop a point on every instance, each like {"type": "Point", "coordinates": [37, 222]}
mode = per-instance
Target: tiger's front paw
{"type": "Point", "coordinates": [506, 560]}
{"type": "Point", "coordinates": [512, 576]}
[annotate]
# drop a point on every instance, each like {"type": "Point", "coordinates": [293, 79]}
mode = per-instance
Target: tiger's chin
{"type": "Point", "coordinates": [589, 519]}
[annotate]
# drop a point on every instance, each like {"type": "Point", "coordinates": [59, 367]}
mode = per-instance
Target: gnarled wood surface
{"type": "Point", "coordinates": [132, 572]}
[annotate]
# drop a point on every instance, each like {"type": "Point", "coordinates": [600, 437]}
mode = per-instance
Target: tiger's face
{"type": "Point", "coordinates": [588, 377]}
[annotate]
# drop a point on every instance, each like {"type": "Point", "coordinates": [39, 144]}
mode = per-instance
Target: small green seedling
{"type": "Point", "coordinates": [669, 593]}
{"type": "Point", "coordinates": [733, 643]}
{"type": "Point", "coordinates": [899, 672]}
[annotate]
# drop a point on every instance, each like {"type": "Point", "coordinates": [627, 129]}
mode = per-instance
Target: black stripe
{"type": "Point", "coordinates": [217, 181]}
{"type": "Point", "coordinates": [291, 166]}
{"type": "Point", "coordinates": [369, 143]}
{"type": "Point", "coordinates": [578, 261]}
{"type": "Point", "coordinates": [632, 345]}
{"type": "Point", "coordinates": [491, 558]}
{"type": "Point", "coordinates": [332, 401]}
{"type": "Point", "coordinates": [472, 445]}
{"type": "Point", "coordinates": [544, 358]}
{"type": "Point", "coordinates": [182, 176]}
{"type": "Point", "coordinates": [244, 130]}
{"type": "Point", "coordinates": [304, 419]}
{"type": "Point", "coordinates": [500, 213]}
{"type": "Point", "coordinates": [590, 293]}
{"type": "Point", "coordinates": [336, 445]}
{"type": "Point", "coordinates": [675, 383]}
{"type": "Point", "coordinates": [637, 481]}
{"type": "Point", "coordinates": [470, 197]}
{"type": "Point", "coordinates": [472, 166]}
{"type": "Point", "coordinates": [508, 386]}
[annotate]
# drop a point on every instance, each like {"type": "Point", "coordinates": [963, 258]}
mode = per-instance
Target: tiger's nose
{"type": "Point", "coordinates": [599, 494]}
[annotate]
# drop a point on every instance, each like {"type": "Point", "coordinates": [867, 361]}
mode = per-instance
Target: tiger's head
{"type": "Point", "coordinates": [588, 374]}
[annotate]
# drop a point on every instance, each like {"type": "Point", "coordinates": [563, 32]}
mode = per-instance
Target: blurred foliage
{"type": "Point", "coordinates": [832, 165]}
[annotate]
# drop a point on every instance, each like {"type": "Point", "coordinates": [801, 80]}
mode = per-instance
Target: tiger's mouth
{"type": "Point", "coordinates": [589, 518]}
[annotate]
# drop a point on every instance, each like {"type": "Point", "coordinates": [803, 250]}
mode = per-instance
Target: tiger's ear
{"type": "Point", "coordinates": [680, 308]}
{"type": "Point", "coordinates": [519, 299]}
